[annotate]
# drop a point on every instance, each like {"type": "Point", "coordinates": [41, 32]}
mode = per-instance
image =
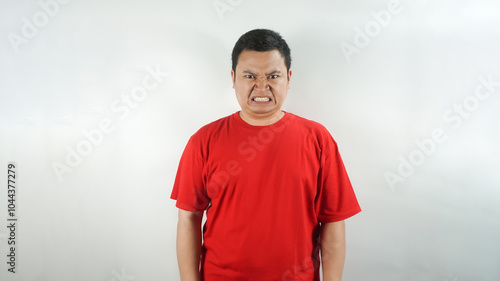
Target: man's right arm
{"type": "Point", "coordinates": [189, 244]}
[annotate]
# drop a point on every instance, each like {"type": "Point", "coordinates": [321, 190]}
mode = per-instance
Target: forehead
{"type": "Point", "coordinates": [263, 61]}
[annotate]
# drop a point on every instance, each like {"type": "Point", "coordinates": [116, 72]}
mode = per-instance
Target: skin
{"type": "Point", "coordinates": [332, 245]}
{"type": "Point", "coordinates": [189, 244]}
{"type": "Point", "coordinates": [261, 75]}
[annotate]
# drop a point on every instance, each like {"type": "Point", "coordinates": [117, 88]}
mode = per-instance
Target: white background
{"type": "Point", "coordinates": [109, 216]}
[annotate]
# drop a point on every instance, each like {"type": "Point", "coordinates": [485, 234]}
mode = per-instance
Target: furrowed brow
{"type": "Point", "coordinates": [248, 72]}
{"type": "Point", "coordinates": [277, 71]}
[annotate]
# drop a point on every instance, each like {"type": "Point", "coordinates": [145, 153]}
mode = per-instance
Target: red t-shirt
{"type": "Point", "coordinates": [265, 190]}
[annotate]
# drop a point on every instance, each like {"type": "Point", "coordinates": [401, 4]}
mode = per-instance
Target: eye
{"type": "Point", "coordinates": [273, 76]}
{"type": "Point", "coordinates": [249, 76]}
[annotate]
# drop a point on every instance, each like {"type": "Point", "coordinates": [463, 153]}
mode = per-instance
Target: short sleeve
{"type": "Point", "coordinates": [336, 199]}
{"type": "Point", "coordinates": [189, 189]}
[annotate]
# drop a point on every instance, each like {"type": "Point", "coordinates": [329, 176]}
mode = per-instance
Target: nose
{"type": "Point", "coordinates": [261, 84]}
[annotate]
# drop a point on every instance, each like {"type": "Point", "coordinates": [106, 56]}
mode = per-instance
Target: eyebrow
{"type": "Point", "coordinates": [277, 71]}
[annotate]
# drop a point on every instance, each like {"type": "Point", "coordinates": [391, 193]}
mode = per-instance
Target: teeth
{"type": "Point", "coordinates": [261, 99]}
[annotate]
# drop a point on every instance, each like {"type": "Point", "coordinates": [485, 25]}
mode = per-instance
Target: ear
{"type": "Point", "coordinates": [289, 77]}
{"type": "Point", "coordinates": [232, 77]}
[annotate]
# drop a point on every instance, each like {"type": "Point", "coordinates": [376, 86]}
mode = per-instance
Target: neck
{"type": "Point", "coordinates": [262, 120]}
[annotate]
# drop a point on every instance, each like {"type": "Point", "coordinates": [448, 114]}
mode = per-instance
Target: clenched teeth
{"type": "Point", "coordinates": [261, 99]}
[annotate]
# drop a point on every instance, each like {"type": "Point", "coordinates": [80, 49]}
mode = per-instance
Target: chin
{"type": "Point", "coordinates": [263, 112]}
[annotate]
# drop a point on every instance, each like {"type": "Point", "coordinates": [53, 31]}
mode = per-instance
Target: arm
{"type": "Point", "coordinates": [332, 250]}
{"type": "Point", "coordinates": [189, 244]}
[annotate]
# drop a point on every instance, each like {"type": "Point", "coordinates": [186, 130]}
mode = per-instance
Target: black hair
{"type": "Point", "coordinates": [261, 40]}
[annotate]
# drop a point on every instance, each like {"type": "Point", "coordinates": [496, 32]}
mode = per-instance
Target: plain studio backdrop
{"type": "Point", "coordinates": [98, 99]}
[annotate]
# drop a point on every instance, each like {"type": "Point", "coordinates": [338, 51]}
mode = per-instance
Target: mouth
{"type": "Point", "coordinates": [261, 99]}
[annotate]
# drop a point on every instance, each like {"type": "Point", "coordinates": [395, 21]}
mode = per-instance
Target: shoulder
{"type": "Point", "coordinates": [211, 129]}
{"type": "Point", "coordinates": [313, 131]}
{"type": "Point", "coordinates": [309, 125]}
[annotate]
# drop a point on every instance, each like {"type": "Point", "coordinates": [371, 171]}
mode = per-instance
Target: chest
{"type": "Point", "coordinates": [262, 162]}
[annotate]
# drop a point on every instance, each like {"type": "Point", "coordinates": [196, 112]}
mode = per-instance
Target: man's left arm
{"type": "Point", "coordinates": [332, 243]}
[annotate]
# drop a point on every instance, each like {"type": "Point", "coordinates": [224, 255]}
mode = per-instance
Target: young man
{"type": "Point", "coordinates": [272, 184]}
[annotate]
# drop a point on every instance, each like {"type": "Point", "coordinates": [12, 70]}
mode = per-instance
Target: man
{"type": "Point", "coordinates": [272, 184]}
